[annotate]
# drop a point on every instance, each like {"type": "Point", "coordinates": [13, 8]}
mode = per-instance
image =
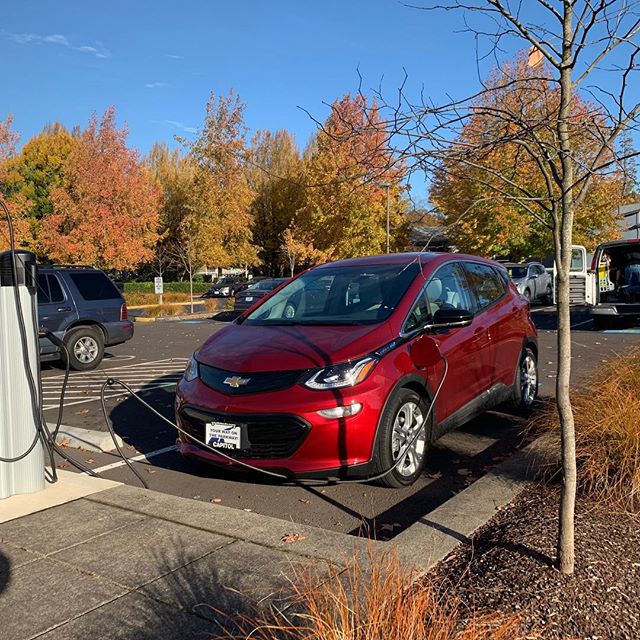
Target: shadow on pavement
{"type": "Point", "coordinates": [5, 572]}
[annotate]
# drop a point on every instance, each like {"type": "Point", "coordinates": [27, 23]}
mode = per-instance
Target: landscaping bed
{"type": "Point", "coordinates": [508, 567]}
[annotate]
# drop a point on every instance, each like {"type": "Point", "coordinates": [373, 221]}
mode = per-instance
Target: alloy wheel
{"type": "Point", "coordinates": [528, 379]}
{"type": "Point", "coordinates": [408, 423]}
{"type": "Point", "coordinates": [85, 349]}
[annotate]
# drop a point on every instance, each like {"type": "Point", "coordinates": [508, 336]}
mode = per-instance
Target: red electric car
{"type": "Point", "coordinates": [323, 378]}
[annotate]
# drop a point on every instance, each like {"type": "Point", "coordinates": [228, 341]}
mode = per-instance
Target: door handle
{"type": "Point", "coordinates": [62, 309]}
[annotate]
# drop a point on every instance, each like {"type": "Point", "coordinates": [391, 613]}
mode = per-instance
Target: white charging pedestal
{"type": "Point", "coordinates": [18, 424]}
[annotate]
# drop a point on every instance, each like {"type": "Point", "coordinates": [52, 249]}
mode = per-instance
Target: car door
{"type": "Point", "coordinates": [462, 346]}
{"type": "Point", "coordinates": [56, 309]}
{"type": "Point", "coordinates": [496, 308]}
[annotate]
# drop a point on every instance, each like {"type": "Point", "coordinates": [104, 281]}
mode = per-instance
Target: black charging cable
{"type": "Point", "coordinates": [320, 482]}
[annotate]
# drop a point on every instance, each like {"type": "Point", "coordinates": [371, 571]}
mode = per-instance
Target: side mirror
{"type": "Point", "coordinates": [451, 319]}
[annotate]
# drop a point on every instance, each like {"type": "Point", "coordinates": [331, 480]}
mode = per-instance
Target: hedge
{"type": "Point", "coordinates": [173, 287]}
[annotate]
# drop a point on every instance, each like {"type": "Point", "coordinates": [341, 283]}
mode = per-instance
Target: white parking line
{"type": "Point", "coordinates": [142, 456]}
{"type": "Point", "coordinates": [84, 387]}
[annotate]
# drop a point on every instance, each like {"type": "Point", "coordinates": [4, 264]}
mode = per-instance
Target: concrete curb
{"type": "Point", "coordinates": [98, 441]}
{"type": "Point", "coordinates": [419, 547]}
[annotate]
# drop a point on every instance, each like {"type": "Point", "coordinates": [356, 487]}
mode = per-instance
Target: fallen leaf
{"type": "Point", "coordinates": [151, 470]}
{"type": "Point", "coordinates": [248, 510]}
{"type": "Point", "coordinates": [464, 472]}
{"type": "Point", "coordinates": [82, 412]}
{"type": "Point", "coordinates": [435, 476]}
{"type": "Point", "coordinates": [303, 501]}
{"type": "Point", "coordinates": [289, 538]}
{"type": "Point", "coordinates": [90, 460]}
{"type": "Point", "coordinates": [216, 500]}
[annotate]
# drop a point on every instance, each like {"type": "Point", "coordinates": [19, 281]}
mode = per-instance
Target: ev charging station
{"type": "Point", "coordinates": [21, 449]}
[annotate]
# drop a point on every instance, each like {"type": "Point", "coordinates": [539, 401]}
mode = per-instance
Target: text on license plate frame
{"type": "Point", "coordinates": [224, 435]}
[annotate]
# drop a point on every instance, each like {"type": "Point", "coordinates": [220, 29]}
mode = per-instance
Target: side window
{"type": "Point", "coordinates": [486, 283]}
{"type": "Point", "coordinates": [419, 315]}
{"type": "Point", "coordinates": [55, 290]}
{"type": "Point", "coordinates": [44, 297]}
{"type": "Point", "coordinates": [447, 288]}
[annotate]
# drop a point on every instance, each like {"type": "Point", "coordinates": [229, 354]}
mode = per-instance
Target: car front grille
{"type": "Point", "coordinates": [270, 435]}
{"type": "Point", "coordinates": [226, 381]}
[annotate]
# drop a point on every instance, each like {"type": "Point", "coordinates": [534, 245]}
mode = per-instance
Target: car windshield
{"type": "Point", "coordinates": [264, 285]}
{"type": "Point", "coordinates": [517, 272]}
{"type": "Point", "coordinates": [340, 295]}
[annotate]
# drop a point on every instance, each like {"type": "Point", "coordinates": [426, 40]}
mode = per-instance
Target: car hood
{"type": "Point", "coordinates": [249, 348]}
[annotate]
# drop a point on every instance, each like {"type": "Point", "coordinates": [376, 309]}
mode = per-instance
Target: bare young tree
{"type": "Point", "coordinates": [186, 251]}
{"type": "Point", "coordinates": [577, 49]}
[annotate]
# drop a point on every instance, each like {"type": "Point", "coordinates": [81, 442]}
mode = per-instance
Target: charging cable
{"type": "Point", "coordinates": [400, 459]}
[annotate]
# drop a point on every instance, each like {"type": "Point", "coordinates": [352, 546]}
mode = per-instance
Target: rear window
{"type": "Point", "coordinates": [95, 286]}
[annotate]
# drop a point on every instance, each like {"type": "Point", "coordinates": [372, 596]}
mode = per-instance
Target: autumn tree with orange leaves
{"type": "Point", "coordinates": [346, 169]}
{"type": "Point", "coordinates": [17, 205]}
{"type": "Point", "coordinates": [107, 212]}
{"type": "Point", "coordinates": [482, 195]}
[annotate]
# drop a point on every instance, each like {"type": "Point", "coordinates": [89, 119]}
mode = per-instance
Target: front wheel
{"type": "Point", "coordinates": [548, 296]}
{"type": "Point", "coordinates": [402, 439]}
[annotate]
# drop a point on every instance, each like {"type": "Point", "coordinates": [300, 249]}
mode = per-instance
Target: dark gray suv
{"type": "Point", "coordinates": [82, 307]}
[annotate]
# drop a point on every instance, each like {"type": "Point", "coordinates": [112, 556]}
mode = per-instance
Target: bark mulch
{"type": "Point", "coordinates": [508, 567]}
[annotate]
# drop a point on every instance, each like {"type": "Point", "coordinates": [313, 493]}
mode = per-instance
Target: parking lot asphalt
{"type": "Point", "coordinates": [152, 363]}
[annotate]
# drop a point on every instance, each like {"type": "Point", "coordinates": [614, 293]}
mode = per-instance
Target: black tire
{"type": "Point", "coordinates": [86, 348]}
{"type": "Point", "coordinates": [389, 443]}
{"type": "Point", "coordinates": [527, 295]}
{"type": "Point", "coordinates": [601, 323]}
{"type": "Point", "coordinates": [525, 386]}
{"type": "Point", "coordinates": [548, 296]}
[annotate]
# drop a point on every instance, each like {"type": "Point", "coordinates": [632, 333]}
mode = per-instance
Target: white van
{"type": "Point", "coordinates": [610, 285]}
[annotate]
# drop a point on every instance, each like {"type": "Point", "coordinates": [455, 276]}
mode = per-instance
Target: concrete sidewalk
{"type": "Point", "coordinates": [126, 562]}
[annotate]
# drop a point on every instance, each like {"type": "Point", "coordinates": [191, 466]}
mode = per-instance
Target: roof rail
{"type": "Point", "coordinates": [68, 266]}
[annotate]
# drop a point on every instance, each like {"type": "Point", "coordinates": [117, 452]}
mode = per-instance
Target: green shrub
{"type": "Point", "coordinates": [169, 287]}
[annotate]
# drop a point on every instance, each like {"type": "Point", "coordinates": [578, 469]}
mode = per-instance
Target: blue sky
{"type": "Point", "coordinates": [158, 61]}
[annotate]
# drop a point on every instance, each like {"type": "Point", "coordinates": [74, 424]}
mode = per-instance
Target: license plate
{"type": "Point", "coordinates": [249, 299]}
{"type": "Point", "coordinates": [223, 436]}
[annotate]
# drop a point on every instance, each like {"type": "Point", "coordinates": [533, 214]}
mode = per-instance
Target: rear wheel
{"type": "Point", "coordinates": [548, 296]}
{"type": "Point", "coordinates": [525, 386]}
{"type": "Point", "coordinates": [527, 294]}
{"type": "Point", "coordinates": [402, 439]}
{"type": "Point", "coordinates": [86, 348]}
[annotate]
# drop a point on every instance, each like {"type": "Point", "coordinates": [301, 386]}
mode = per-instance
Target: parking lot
{"type": "Point", "coordinates": [152, 363]}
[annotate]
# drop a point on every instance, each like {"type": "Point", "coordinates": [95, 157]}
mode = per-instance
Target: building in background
{"type": "Point", "coordinates": [631, 221]}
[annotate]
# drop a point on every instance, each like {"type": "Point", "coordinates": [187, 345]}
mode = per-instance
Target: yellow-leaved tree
{"type": "Point", "coordinates": [494, 196]}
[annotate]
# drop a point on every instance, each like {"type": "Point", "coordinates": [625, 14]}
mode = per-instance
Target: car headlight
{"type": "Point", "coordinates": [191, 372]}
{"type": "Point", "coordinates": [346, 374]}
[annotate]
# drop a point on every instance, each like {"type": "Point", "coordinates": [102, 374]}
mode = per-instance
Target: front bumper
{"type": "Point", "coordinates": [302, 442]}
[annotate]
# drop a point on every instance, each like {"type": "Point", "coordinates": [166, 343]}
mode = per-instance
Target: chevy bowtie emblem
{"type": "Point", "coordinates": [236, 381]}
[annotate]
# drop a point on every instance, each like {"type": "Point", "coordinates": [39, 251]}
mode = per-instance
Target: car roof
{"type": "Point", "coordinates": [423, 258]}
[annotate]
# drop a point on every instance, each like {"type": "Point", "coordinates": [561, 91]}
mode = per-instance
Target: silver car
{"type": "Point", "coordinates": [532, 280]}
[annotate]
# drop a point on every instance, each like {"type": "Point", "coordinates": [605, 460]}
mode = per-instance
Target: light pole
{"type": "Point", "coordinates": [387, 186]}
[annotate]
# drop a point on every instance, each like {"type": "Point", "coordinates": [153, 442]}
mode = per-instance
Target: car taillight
{"type": "Point", "coordinates": [124, 312]}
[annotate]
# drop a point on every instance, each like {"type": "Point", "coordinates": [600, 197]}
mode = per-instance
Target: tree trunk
{"type": "Point", "coordinates": [563, 241]}
{"type": "Point", "coordinates": [191, 288]}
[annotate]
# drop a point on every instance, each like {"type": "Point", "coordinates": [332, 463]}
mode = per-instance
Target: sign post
{"type": "Point", "coordinates": [159, 287]}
